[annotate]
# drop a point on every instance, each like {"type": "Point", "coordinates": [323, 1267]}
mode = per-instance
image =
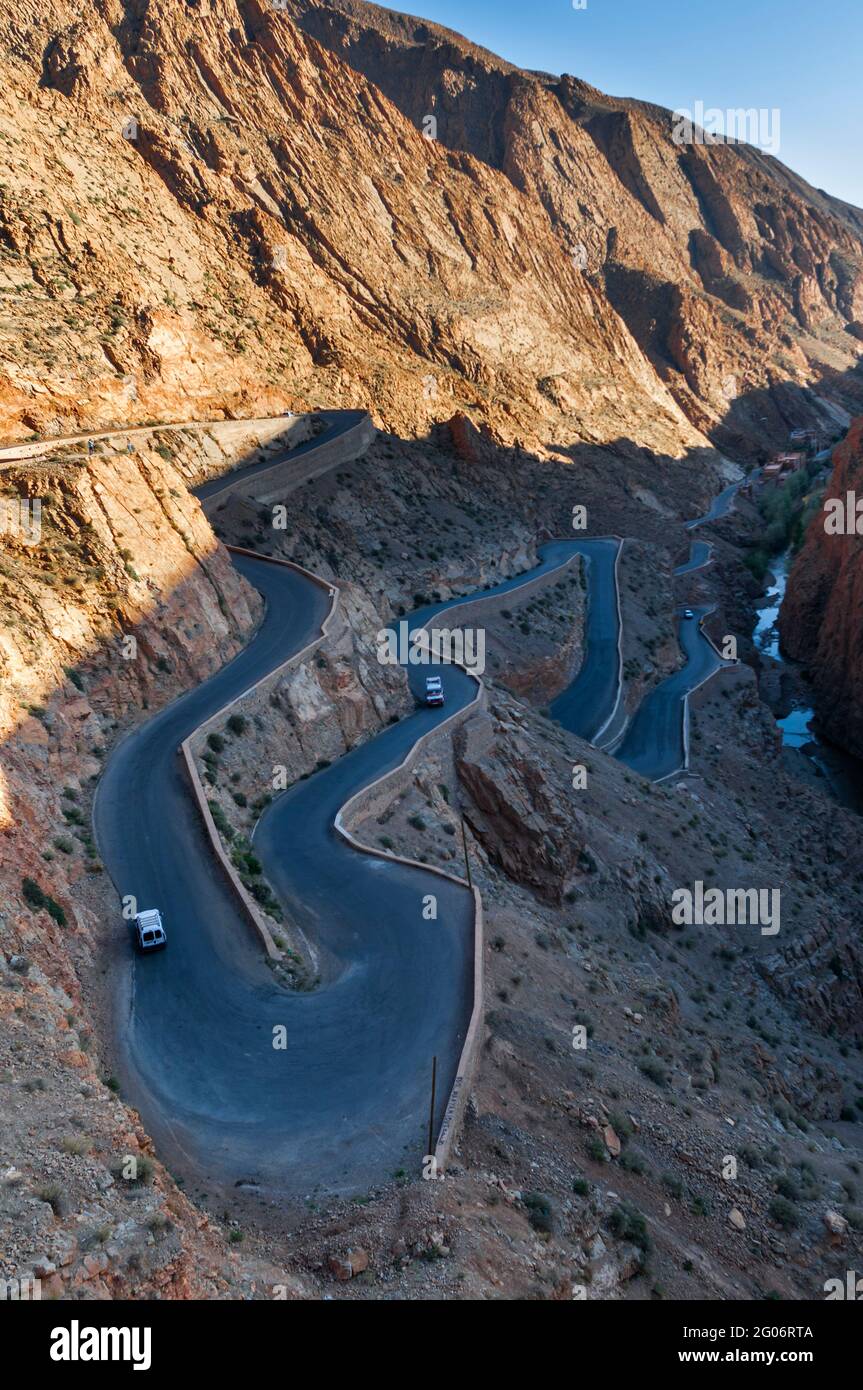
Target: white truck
{"type": "Point", "coordinates": [149, 932]}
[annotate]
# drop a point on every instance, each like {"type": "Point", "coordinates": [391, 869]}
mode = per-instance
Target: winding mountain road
{"type": "Point", "coordinates": [719, 507]}
{"type": "Point", "coordinates": [655, 743]}
{"type": "Point", "coordinates": [700, 554]}
{"type": "Point", "coordinates": [344, 1104]}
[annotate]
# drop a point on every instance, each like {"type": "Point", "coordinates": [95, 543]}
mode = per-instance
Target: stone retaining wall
{"type": "Point", "coordinates": [365, 803]}
{"type": "Point", "coordinates": [274, 484]}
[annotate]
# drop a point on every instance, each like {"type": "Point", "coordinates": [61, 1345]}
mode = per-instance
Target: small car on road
{"type": "Point", "coordinates": [434, 690]}
{"type": "Point", "coordinates": [149, 932]}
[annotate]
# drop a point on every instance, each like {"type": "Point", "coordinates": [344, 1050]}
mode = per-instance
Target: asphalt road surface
{"type": "Point", "coordinates": [719, 507]}
{"type": "Point", "coordinates": [587, 704]}
{"type": "Point", "coordinates": [345, 1104]}
{"type": "Point", "coordinates": [699, 555]}
{"type": "Point", "coordinates": [654, 741]}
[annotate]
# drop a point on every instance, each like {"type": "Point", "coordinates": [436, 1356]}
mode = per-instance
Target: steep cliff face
{"type": "Point", "coordinates": [205, 211]}
{"type": "Point", "coordinates": [230, 208]}
{"type": "Point", "coordinates": [116, 597]}
{"type": "Point", "coordinates": [122, 601]}
{"type": "Point", "coordinates": [740, 282]}
{"type": "Point", "coordinates": [822, 617]}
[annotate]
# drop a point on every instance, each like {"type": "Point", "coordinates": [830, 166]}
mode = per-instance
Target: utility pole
{"type": "Point", "coordinates": [430, 1149]}
{"type": "Point", "coordinates": [464, 847]}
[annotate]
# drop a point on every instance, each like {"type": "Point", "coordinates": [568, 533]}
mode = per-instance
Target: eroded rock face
{"type": "Point", "coordinates": [552, 258]}
{"type": "Point", "coordinates": [518, 814]}
{"type": "Point", "coordinates": [674, 236]}
{"type": "Point", "coordinates": [822, 972]}
{"type": "Point", "coordinates": [124, 549]}
{"type": "Point", "coordinates": [291, 235]}
{"type": "Point", "coordinates": [821, 620]}
{"type": "Point", "coordinates": [124, 601]}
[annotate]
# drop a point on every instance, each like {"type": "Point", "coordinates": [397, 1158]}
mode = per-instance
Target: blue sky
{"type": "Point", "coordinates": [802, 57]}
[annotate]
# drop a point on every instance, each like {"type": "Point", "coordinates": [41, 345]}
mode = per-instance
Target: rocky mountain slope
{"type": "Point", "coordinates": [740, 282]}
{"type": "Point", "coordinates": [122, 601]}
{"type": "Point", "coordinates": [202, 206]}
{"type": "Point", "coordinates": [233, 206]}
{"type": "Point", "coordinates": [701, 1043]}
{"type": "Point", "coordinates": [599, 1169]}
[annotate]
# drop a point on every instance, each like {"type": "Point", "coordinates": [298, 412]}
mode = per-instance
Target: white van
{"type": "Point", "coordinates": [149, 932]}
{"type": "Point", "coordinates": [434, 690]}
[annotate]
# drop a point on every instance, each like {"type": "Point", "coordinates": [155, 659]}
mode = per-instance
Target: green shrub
{"type": "Point", "coordinates": [246, 860]}
{"type": "Point", "coordinates": [54, 1196]}
{"type": "Point", "coordinates": [653, 1069]}
{"type": "Point", "coordinates": [38, 899]}
{"type": "Point", "coordinates": [596, 1149]}
{"type": "Point", "coordinates": [756, 562]}
{"type": "Point", "coordinates": [784, 1213]}
{"type": "Point", "coordinates": [786, 1186]}
{"type": "Point", "coordinates": [627, 1223]}
{"type": "Point", "coordinates": [145, 1170]}
{"type": "Point", "coordinates": [539, 1211]}
{"type": "Point", "coordinates": [55, 910]}
{"type": "Point", "coordinates": [263, 894]}
{"type": "Point", "coordinates": [223, 825]}
{"type": "Point", "coordinates": [672, 1185]}
{"type": "Point", "coordinates": [76, 1145]}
